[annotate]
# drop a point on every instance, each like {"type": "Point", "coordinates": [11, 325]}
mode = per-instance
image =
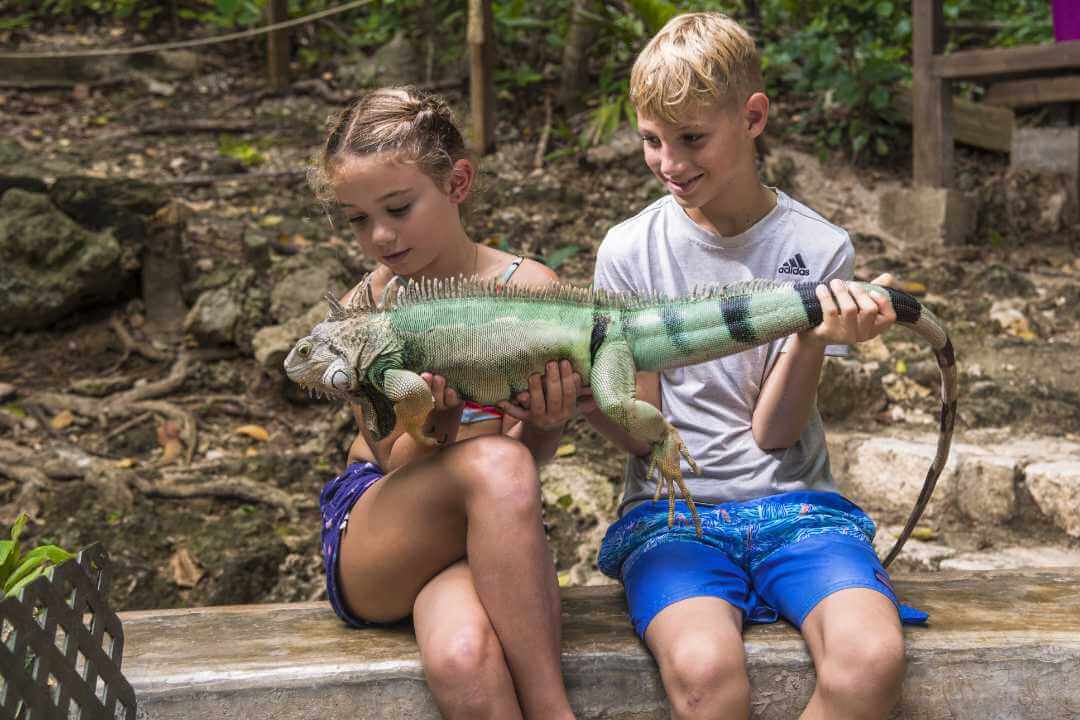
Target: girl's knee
{"type": "Point", "coordinates": [500, 470]}
{"type": "Point", "coordinates": [460, 660]}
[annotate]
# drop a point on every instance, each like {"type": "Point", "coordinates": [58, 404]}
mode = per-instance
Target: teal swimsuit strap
{"type": "Point", "coordinates": [511, 269]}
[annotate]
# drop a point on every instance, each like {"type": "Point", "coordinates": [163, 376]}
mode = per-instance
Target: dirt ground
{"type": "Point", "coordinates": [231, 547]}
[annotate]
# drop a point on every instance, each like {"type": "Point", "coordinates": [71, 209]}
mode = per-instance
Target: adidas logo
{"type": "Point", "coordinates": [794, 266]}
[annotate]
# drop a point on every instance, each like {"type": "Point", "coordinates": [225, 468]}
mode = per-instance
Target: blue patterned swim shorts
{"type": "Point", "coordinates": [336, 502]}
{"type": "Point", "coordinates": [770, 557]}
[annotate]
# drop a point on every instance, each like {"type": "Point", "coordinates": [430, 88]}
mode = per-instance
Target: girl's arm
{"type": "Point", "coordinates": [549, 403]}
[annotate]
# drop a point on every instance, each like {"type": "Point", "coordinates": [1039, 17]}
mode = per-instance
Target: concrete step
{"type": "Point", "coordinates": [999, 645]}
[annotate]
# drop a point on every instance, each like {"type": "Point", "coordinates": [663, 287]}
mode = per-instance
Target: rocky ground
{"type": "Point", "coordinates": [171, 437]}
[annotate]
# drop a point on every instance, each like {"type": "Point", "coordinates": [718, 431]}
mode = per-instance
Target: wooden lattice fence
{"type": "Point", "coordinates": [61, 646]}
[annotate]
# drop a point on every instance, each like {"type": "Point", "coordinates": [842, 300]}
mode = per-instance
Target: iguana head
{"type": "Point", "coordinates": [343, 357]}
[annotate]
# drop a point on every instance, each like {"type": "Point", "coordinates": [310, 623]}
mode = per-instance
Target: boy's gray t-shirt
{"type": "Point", "coordinates": [711, 404]}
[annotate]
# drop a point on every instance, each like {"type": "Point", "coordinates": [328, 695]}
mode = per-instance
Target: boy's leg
{"type": "Point", "coordinates": [698, 645]}
{"type": "Point", "coordinates": [855, 639]}
{"type": "Point", "coordinates": [463, 660]}
{"type": "Point", "coordinates": [479, 498]}
{"type": "Point", "coordinates": [687, 600]}
{"type": "Point", "coordinates": [833, 588]}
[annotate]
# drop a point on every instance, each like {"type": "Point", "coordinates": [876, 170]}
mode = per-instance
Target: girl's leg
{"type": "Point", "coordinates": [855, 638]}
{"type": "Point", "coordinates": [479, 498]}
{"type": "Point", "coordinates": [698, 645]}
{"type": "Point", "coordinates": [463, 660]}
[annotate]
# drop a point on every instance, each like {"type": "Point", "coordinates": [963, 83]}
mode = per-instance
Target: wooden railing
{"type": "Point", "coordinates": [933, 71]}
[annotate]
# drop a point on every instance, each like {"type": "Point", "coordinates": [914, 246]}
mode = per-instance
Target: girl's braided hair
{"type": "Point", "coordinates": [413, 125]}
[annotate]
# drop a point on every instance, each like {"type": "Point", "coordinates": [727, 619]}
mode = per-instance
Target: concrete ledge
{"type": "Point", "coordinates": [1000, 645]}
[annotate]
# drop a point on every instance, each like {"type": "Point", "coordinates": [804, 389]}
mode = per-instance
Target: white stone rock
{"type": "Point", "coordinates": [1014, 558]}
{"type": "Point", "coordinates": [923, 555]}
{"type": "Point", "coordinates": [1055, 486]}
{"type": "Point", "coordinates": [986, 485]}
{"type": "Point", "coordinates": [887, 474]}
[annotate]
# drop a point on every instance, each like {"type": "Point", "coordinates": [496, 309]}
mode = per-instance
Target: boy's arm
{"type": "Point", "coordinates": [788, 395]}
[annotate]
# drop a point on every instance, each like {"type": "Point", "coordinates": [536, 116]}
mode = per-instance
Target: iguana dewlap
{"type": "Point", "coordinates": [486, 340]}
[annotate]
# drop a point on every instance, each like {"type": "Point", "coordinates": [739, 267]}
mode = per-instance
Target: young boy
{"type": "Point", "coordinates": [778, 540]}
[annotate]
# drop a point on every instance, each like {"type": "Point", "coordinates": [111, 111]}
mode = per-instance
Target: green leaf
{"type": "Point", "coordinates": [23, 582]}
{"type": "Point", "coordinates": [879, 98]}
{"type": "Point", "coordinates": [16, 23]}
{"type": "Point", "coordinates": [560, 255]}
{"type": "Point", "coordinates": [9, 553]}
{"type": "Point", "coordinates": [53, 553]}
{"type": "Point", "coordinates": [881, 147]}
{"type": "Point", "coordinates": [17, 528]}
{"type": "Point", "coordinates": [25, 567]}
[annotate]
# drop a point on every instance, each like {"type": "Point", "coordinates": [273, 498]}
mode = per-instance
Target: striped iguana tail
{"type": "Point", "coordinates": [913, 314]}
{"type": "Point", "coordinates": [666, 333]}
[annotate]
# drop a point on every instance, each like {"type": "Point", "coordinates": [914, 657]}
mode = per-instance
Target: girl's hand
{"type": "Point", "coordinates": [552, 398]}
{"type": "Point", "coordinates": [853, 316]}
{"type": "Point", "coordinates": [444, 421]}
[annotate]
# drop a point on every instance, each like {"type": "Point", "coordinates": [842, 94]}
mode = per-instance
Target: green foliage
{"type": "Point", "coordinates": [848, 55]}
{"type": "Point", "coordinates": [560, 255]}
{"type": "Point", "coordinates": [239, 149]}
{"type": "Point", "coordinates": [19, 569]}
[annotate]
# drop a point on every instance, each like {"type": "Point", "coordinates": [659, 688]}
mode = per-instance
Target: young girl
{"type": "Point", "coordinates": [453, 534]}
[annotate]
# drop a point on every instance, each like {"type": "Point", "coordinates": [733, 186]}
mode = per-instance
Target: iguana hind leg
{"type": "Point", "coordinates": [412, 402]}
{"type": "Point", "coordinates": [613, 387]}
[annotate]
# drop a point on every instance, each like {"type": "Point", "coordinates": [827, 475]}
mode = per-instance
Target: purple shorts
{"type": "Point", "coordinates": [335, 503]}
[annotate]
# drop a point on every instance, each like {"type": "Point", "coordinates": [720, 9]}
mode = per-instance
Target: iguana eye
{"type": "Point", "coordinates": [303, 350]}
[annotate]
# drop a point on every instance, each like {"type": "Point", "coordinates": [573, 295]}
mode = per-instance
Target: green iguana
{"type": "Point", "coordinates": [486, 340]}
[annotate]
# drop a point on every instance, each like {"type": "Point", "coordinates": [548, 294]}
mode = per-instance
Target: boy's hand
{"type": "Point", "coordinates": [853, 316]}
{"type": "Point", "coordinates": [444, 421]}
{"type": "Point", "coordinates": [552, 398]}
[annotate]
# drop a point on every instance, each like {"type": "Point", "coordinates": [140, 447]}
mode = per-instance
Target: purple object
{"type": "Point", "coordinates": [1066, 20]}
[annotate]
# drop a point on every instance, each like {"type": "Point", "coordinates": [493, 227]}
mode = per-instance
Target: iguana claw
{"type": "Point", "coordinates": [665, 458]}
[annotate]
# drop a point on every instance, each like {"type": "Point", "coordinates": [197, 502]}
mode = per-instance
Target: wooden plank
{"type": "Point", "coordinates": [976, 124]}
{"type": "Point", "coordinates": [967, 64]}
{"type": "Point", "coordinates": [277, 45]}
{"type": "Point", "coordinates": [931, 109]}
{"type": "Point", "coordinates": [1038, 91]}
{"type": "Point", "coordinates": [481, 36]}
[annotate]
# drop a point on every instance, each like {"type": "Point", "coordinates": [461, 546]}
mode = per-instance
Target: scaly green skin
{"type": "Point", "coordinates": [488, 340]}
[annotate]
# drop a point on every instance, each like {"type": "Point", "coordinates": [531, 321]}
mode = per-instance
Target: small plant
{"type": "Point", "coordinates": [242, 150]}
{"type": "Point", "coordinates": [19, 569]}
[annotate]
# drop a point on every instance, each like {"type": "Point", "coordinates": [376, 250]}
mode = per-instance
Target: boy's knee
{"type": "Point", "coordinates": [870, 666]}
{"type": "Point", "coordinates": [459, 662]}
{"type": "Point", "coordinates": [701, 678]}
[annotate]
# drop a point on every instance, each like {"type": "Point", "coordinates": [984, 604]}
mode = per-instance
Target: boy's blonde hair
{"type": "Point", "coordinates": [696, 59]}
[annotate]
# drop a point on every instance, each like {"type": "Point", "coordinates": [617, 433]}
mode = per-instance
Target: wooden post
{"type": "Point", "coordinates": [277, 45]}
{"type": "Point", "coordinates": [932, 133]}
{"type": "Point", "coordinates": [481, 37]}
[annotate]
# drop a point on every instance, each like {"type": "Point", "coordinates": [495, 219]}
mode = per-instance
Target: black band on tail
{"type": "Point", "coordinates": [736, 313]}
{"type": "Point", "coordinates": [810, 302]}
{"type": "Point", "coordinates": [908, 309]}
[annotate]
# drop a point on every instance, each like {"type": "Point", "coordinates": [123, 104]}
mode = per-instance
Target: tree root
{"type": "Point", "coordinates": [131, 346]}
{"type": "Point", "coordinates": [131, 402]}
{"type": "Point", "coordinates": [232, 488]}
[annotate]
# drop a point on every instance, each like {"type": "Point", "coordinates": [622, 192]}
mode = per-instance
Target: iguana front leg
{"type": "Point", "coordinates": [412, 402]}
{"type": "Point", "coordinates": [613, 387]}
